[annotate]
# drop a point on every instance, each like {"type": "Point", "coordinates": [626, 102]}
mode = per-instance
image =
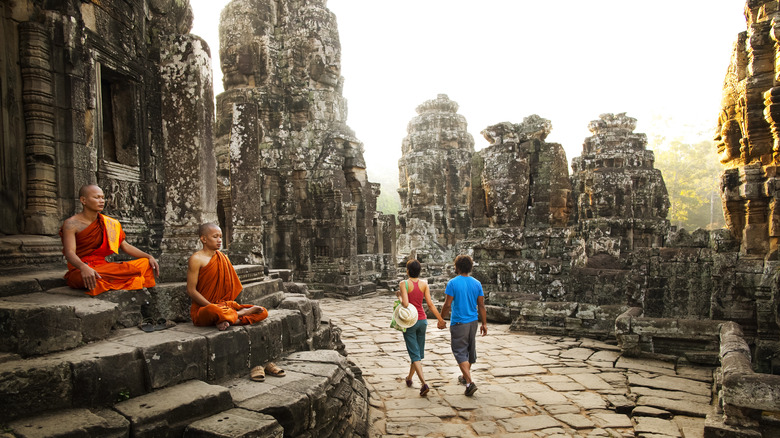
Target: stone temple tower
{"type": "Point", "coordinates": [293, 190]}
{"type": "Point", "coordinates": [621, 198]}
{"type": "Point", "coordinates": [435, 180]}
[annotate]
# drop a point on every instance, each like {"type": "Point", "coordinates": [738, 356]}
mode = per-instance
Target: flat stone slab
{"type": "Point", "coordinates": [41, 323]}
{"type": "Point", "coordinates": [33, 385]}
{"type": "Point", "coordinates": [103, 373]}
{"type": "Point", "coordinates": [673, 395]}
{"type": "Point", "coordinates": [576, 421]}
{"type": "Point", "coordinates": [172, 409]}
{"type": "Point", "coordinates": [676, 406]}
{"type": "Point", "coordinates": [235, 423]}
{"type": "Point", "coordinates": [526, 424]}
{"type": "Point", "coordinates": [672, 384]}
{"type": "Point", "coordinates": [73, 422]}
{"type": "Point", "coordinates": [29, 282]}
{"type": "Point", "coordinates": [172, 356]}
{"type": "Point", "coordinates": [658, 426]}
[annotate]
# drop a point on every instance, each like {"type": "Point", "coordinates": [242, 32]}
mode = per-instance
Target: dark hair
{"type": "Point", "coordinates": [413, 268]}
{"type": "Point", "coordinates": [463, 264]}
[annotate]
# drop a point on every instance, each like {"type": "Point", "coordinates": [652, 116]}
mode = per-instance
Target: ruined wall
{"type": "Point", "coordinates": [434, 174]}
{"type": "Point", "coordinates": [107, 94]}
{"type": "Point", "coordinates": [293, 189]}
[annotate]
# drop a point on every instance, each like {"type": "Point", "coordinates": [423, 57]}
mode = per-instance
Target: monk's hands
{"type": "Point", "coordinates": [89, 276]}
{"type": "Point", "coordinates": [155, 266]}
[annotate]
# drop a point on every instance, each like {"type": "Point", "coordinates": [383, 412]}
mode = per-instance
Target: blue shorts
{"type": "Point", "coordinates": [415, 340]}
{"type": "Point", "coordinates": [463, 339]}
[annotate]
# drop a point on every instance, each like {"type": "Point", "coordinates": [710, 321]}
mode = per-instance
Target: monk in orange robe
{"type": "Point", "coordinates": [213, 286]}
{"type": "Point", "coordinates": [88, 237]}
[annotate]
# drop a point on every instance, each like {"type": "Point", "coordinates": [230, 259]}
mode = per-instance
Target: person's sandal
{"type": "Point", "coordinates": [408, 383]}
{"type": "Point", "coordinates": [257, 374]}
{"type": "Point", "coordinates": [272, 370]}
{"type": "Point", "coordinates": [147, 325]}
{"type": "Point", "coordinates": [424, 390]}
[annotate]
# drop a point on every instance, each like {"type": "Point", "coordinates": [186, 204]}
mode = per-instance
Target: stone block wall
{"type": "Point", "coordinates": [293, 189]}
{"type": "Point", "coordinates": [107, 94]}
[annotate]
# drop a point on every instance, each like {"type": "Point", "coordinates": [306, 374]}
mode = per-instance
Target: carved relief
{"type": "Point", "coordinates": [41, 214]}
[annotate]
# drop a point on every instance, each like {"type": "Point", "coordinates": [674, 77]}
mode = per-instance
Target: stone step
{"type": "Point", "coordinates": [41, 323]}
{"type": "Point", "coordinates": [173, 409]}
{"type": "Point", "coordinates": [249, 273]}
{"type": "Point", "coordinates": [321, 395]}
{"type": "Point", "coordinates": [267, 293]}
{"type": "Point", "coordinates": [18, 283]}
{"type": "Point", "coordinates": [131, 362]}
{"type": "Point", "coordinates": [133, 305]}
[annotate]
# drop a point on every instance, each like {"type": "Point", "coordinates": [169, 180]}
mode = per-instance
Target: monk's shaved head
{"type": "Point", "coordinates": [85, 189]}
{"type": "Point", "coordinates": [205, 228]}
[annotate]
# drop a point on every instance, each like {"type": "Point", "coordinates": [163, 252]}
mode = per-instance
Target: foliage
{"type": "Point", "coordinates": [388, 203]}
{"type": "Point", "coordinates": [692, 174]}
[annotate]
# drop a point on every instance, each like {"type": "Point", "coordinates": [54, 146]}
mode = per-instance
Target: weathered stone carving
{"type": "Point", "coordinates": [524, 180]}
{"type": "Point", "coordinates": [307, 189]}
{"type": "Point", "coordinates": [40, 156]}
{"type": "Point", "coordinates": [622, 201]}
{"type": "Point", "coordinates": [435, 181]}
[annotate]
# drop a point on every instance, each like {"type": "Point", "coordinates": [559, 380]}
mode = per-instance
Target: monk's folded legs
{"type": "Point", "coordinates": [220, 315]}
{"type": "Point", "coordinates": [250, 314]}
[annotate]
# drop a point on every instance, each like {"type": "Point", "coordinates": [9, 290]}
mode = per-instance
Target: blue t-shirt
{"type": "Point", "coordinates": [464, 292]}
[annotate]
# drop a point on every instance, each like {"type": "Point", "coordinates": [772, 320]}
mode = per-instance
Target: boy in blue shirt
{"type": "Point", "coordinates": [467, 301]}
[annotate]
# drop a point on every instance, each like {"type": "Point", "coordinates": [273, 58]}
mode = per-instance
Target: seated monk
{"type": "Point", "coordinates": [213, 286]}
{"type": "Point", "coordinates": [88, 237]}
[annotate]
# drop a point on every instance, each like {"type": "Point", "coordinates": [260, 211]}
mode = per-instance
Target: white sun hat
{"type": "Point", "coordinates": [405, 317]}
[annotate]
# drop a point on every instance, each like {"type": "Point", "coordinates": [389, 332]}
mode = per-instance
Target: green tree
{"type": "Point", "coordinates": [692, 175]}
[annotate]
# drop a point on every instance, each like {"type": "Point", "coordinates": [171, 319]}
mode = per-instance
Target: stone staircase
{"type": "Point", "coordinates": [75, 365]}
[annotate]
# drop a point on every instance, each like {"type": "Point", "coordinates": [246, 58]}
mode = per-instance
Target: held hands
{"type": "Point", "coordinates": [89, 276]}
{"type": "Point", "coordinates": [442, 324]}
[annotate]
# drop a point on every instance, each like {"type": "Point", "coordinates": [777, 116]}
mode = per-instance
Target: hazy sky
{"type": "Point", "coordinates": [502, 60]}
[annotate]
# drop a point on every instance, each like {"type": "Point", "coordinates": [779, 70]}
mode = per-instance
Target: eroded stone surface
{"type": "Point", "coordinates": [507, 403]}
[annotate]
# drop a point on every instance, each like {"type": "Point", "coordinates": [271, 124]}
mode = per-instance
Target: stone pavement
{"type": "Point", "coordinates": [528, 385]}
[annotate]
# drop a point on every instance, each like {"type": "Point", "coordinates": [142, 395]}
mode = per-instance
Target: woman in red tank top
{"type": "Point", "coordinates": [412, 291]}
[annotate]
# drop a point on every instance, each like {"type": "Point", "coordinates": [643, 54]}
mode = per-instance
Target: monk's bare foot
{"type": "Point", "coordinates": [250, 310]}
{"type": "Point", "coordinates": [223, 325]}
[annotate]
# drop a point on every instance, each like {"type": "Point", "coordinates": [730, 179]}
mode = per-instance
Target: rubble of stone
{"type": "Point", "coordinates": [293, 189]}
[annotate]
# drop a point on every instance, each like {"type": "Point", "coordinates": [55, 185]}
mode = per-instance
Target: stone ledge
{"type": "Point", "coordinates": [103, 423]}
{"type": "Point", "coordinates": [41, 323]}
{"type": "Point", "coordinates": [667, 338]}
{"type": "Point", "coordinates": [235, 423]}
{"type": "Point", "coordinates": [172, 409]}
{"type": "Point", "coordinates": [745, 397]}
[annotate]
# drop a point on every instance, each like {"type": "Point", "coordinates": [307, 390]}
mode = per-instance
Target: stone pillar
{"type": "Point", "coordinates": [41, 214]}
{"type": "Point", "coordinates": [187, 107]}
{"type": "Point", "coordinates": [245, 244]}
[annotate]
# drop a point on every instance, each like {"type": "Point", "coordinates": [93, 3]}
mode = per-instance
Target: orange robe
{"type": "Point", "coordinates": [100, 239]}
{"type": "Point", "coordinates": [219, 283]}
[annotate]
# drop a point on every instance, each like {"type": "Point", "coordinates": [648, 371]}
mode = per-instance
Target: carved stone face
{"type": "Point", "coordinates": [727, 138]}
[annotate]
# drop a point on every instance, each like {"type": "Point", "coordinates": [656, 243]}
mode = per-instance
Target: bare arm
{"type": "Point", "coordinates": [432, 306]}
{"type": "Point", "coordinates": [404, 294]}
{"type": "Point", "coordinates": [482, 315]}
{"type": "Point", "coordinates": [445, 309]}
{"type": "Point", "coordinates": [137, 253]}
{"type": "Point", "coordinates": [193, 268]}
{"type": "Point", "coordinates": [88, 275]}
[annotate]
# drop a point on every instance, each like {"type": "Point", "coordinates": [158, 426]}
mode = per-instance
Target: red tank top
{"type": "Point", "coordinates": [416, 298]}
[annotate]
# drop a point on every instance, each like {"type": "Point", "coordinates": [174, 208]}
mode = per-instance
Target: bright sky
{"type": "Point", "coordinates": [502, 60]}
